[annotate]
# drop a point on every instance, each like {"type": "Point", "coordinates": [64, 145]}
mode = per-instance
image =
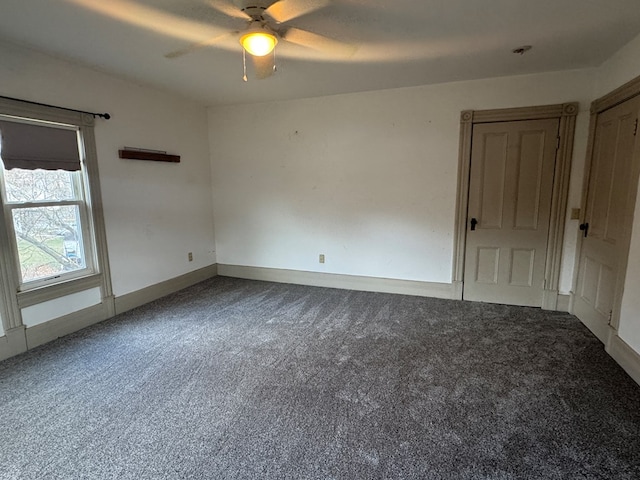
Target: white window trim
{"type": "Point", "coordinates": [12, 298]}
{"type": "Point", "coordinates": [87, 234]}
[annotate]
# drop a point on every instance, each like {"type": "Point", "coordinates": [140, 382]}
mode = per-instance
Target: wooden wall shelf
{"type": "Point", "coordinates": [145, 155]}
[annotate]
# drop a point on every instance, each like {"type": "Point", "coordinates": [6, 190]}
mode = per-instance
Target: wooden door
{"type": "Point", "coordinates": [610, 202]}
{"type": "Point", "coordinates": [510, 190]}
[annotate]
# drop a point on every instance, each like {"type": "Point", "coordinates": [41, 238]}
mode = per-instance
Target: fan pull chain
{"type": "Point", "coordinates": [244, 65]}
{"type": "Point", "coordinates": [274, 61]}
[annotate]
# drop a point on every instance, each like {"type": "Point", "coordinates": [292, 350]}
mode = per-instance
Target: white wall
{"type": "Point", "coordinates": [622, 67]}
{"type": "Point", "coordinates": [155, 212]}
{"type": "Point", "coordinates": [368, 179]}
{"type": "Point", "coordinates": [56, 308]}
{"type": "Point", "coordinates": [619, 69]}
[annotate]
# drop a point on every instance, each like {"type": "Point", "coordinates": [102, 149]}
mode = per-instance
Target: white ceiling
{"type": "Point", "coordinates": [399, 43]}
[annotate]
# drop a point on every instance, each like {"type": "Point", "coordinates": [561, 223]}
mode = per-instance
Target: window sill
{"type": "Point", "coordinates": [50, 292]}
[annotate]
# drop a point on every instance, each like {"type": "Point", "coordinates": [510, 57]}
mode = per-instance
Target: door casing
{"type": "Point", "coordinates": [619, 95]}
{"type": "Point", "coordinates": [566, 113]}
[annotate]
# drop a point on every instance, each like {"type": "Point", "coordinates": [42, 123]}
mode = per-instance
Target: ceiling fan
{"type": "Point", "coordinates": [264, 27]}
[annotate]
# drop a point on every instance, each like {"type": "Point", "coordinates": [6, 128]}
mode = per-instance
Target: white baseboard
{"type": "Point", "coordinates": [552, 300]}
{"type": "Point", "coordinates": [21, 339]}
{"type": "Point", "coordinates": [332, 280]}
{"type": "Point", "coordinates": [48, 331]}
{"type": "Point", "coordinates": [457, 290]}
{"type": "Point", "coordinates": [159, 290]}
{"type": "Point", "coordinates": [599, 328]}
{"type": "Point", "coordinates": [626, 356]}
{"type": "Point", "coordinates": [572, 300]}
{"type": "Point", "coordinates": [13, 342]}
{"type": "Point", "coordinates": [622, 353]}
{"type": "Point", "coordinates": [549, 299]}
{"type": "Point", "coordinates": [564, 302]}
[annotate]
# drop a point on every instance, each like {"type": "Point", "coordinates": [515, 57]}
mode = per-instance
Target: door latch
{"type": "Point", "coordinates": [585, 228]}
{"type": "Point", "coordinates": [473, 222]}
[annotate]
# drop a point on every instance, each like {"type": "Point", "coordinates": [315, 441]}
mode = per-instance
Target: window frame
{"type": "Point", "coordinates": [79, 182]}
{"type": "Point", "coordinates": [16, 298]}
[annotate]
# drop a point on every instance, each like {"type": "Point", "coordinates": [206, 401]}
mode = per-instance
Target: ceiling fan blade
{"type": "Point", "coordinates": [198, 45]}
{"type": "Point", "coordinates": [285, 10]}
{"type": "Point", "coordinates": [319, 42]}
{"type": "Point", "coordinates": [228, 9]}
{"type": "Point", "coordinates": [264, 66]}
{"type": "Point", "coordinates": [153, 19]}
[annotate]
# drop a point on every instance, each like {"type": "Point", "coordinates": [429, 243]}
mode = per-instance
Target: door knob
{"type": "Point", "coordinates": [473, 222]}
{"type": "Point", "coordinates": [585, 228]}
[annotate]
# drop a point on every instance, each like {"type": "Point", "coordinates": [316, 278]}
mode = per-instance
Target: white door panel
{"type": "Point", "coordinates": [510, 189]}
{"type": "Point", "coordinates": [609, 209]}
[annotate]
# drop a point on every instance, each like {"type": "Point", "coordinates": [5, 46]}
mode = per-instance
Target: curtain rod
{"type": "Point", "coordinates": [106, 116]}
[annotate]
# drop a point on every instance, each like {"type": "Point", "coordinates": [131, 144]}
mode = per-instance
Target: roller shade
{"type": "Point", "coordinates": [31, 147]}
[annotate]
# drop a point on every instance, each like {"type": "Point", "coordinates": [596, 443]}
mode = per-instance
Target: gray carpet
{"type": "Point", "coordinates": [243, 380]}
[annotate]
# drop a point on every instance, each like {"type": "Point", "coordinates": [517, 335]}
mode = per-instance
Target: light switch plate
{"type": "Point", "coordinates": [575, 214]}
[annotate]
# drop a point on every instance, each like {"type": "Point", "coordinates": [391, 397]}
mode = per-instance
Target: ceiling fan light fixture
{"type": "Point", "coordinates": [258, 43]}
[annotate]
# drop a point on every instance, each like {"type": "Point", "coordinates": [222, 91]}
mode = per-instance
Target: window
{"type": "Point", "coordinates": [44, 194]}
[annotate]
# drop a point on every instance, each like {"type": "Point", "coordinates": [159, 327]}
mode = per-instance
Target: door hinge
{"type": "Point", "coordinates": [610, 317]}
{"type": "Point", "coordinates": [635, 128]}
{"type": "Point", "coordinates": [558, 144]}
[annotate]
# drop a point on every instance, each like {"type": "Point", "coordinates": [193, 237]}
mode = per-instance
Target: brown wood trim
{"type": "Point", "coordinates": [617, 96]}
{"type": "Point", "coordinates": [593, 121]}
{"type": "Point", "coordinates": [50, 292]}
{"type": "Point", "coordinates": [523, 113]}
{"type": "Point", "coordinates": [462, 197]}
{"type": "Point", "coordinates": [566, 113]}
{"type": "Point", "coordinates": [559, 200]}
{"type": "Point", "coordinates": [620, 95]}
{"type": "Point", "coordinates": [153, 156]}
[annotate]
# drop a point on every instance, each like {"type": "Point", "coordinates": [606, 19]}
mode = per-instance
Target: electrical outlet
{"type": "Point", "coordinates": [321, 259]}
{"type": "Point", "coordinates": [190, 255]}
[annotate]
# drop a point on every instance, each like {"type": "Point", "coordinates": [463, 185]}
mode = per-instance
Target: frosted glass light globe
{"type": "Point", "coordinates": [258, 44]}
